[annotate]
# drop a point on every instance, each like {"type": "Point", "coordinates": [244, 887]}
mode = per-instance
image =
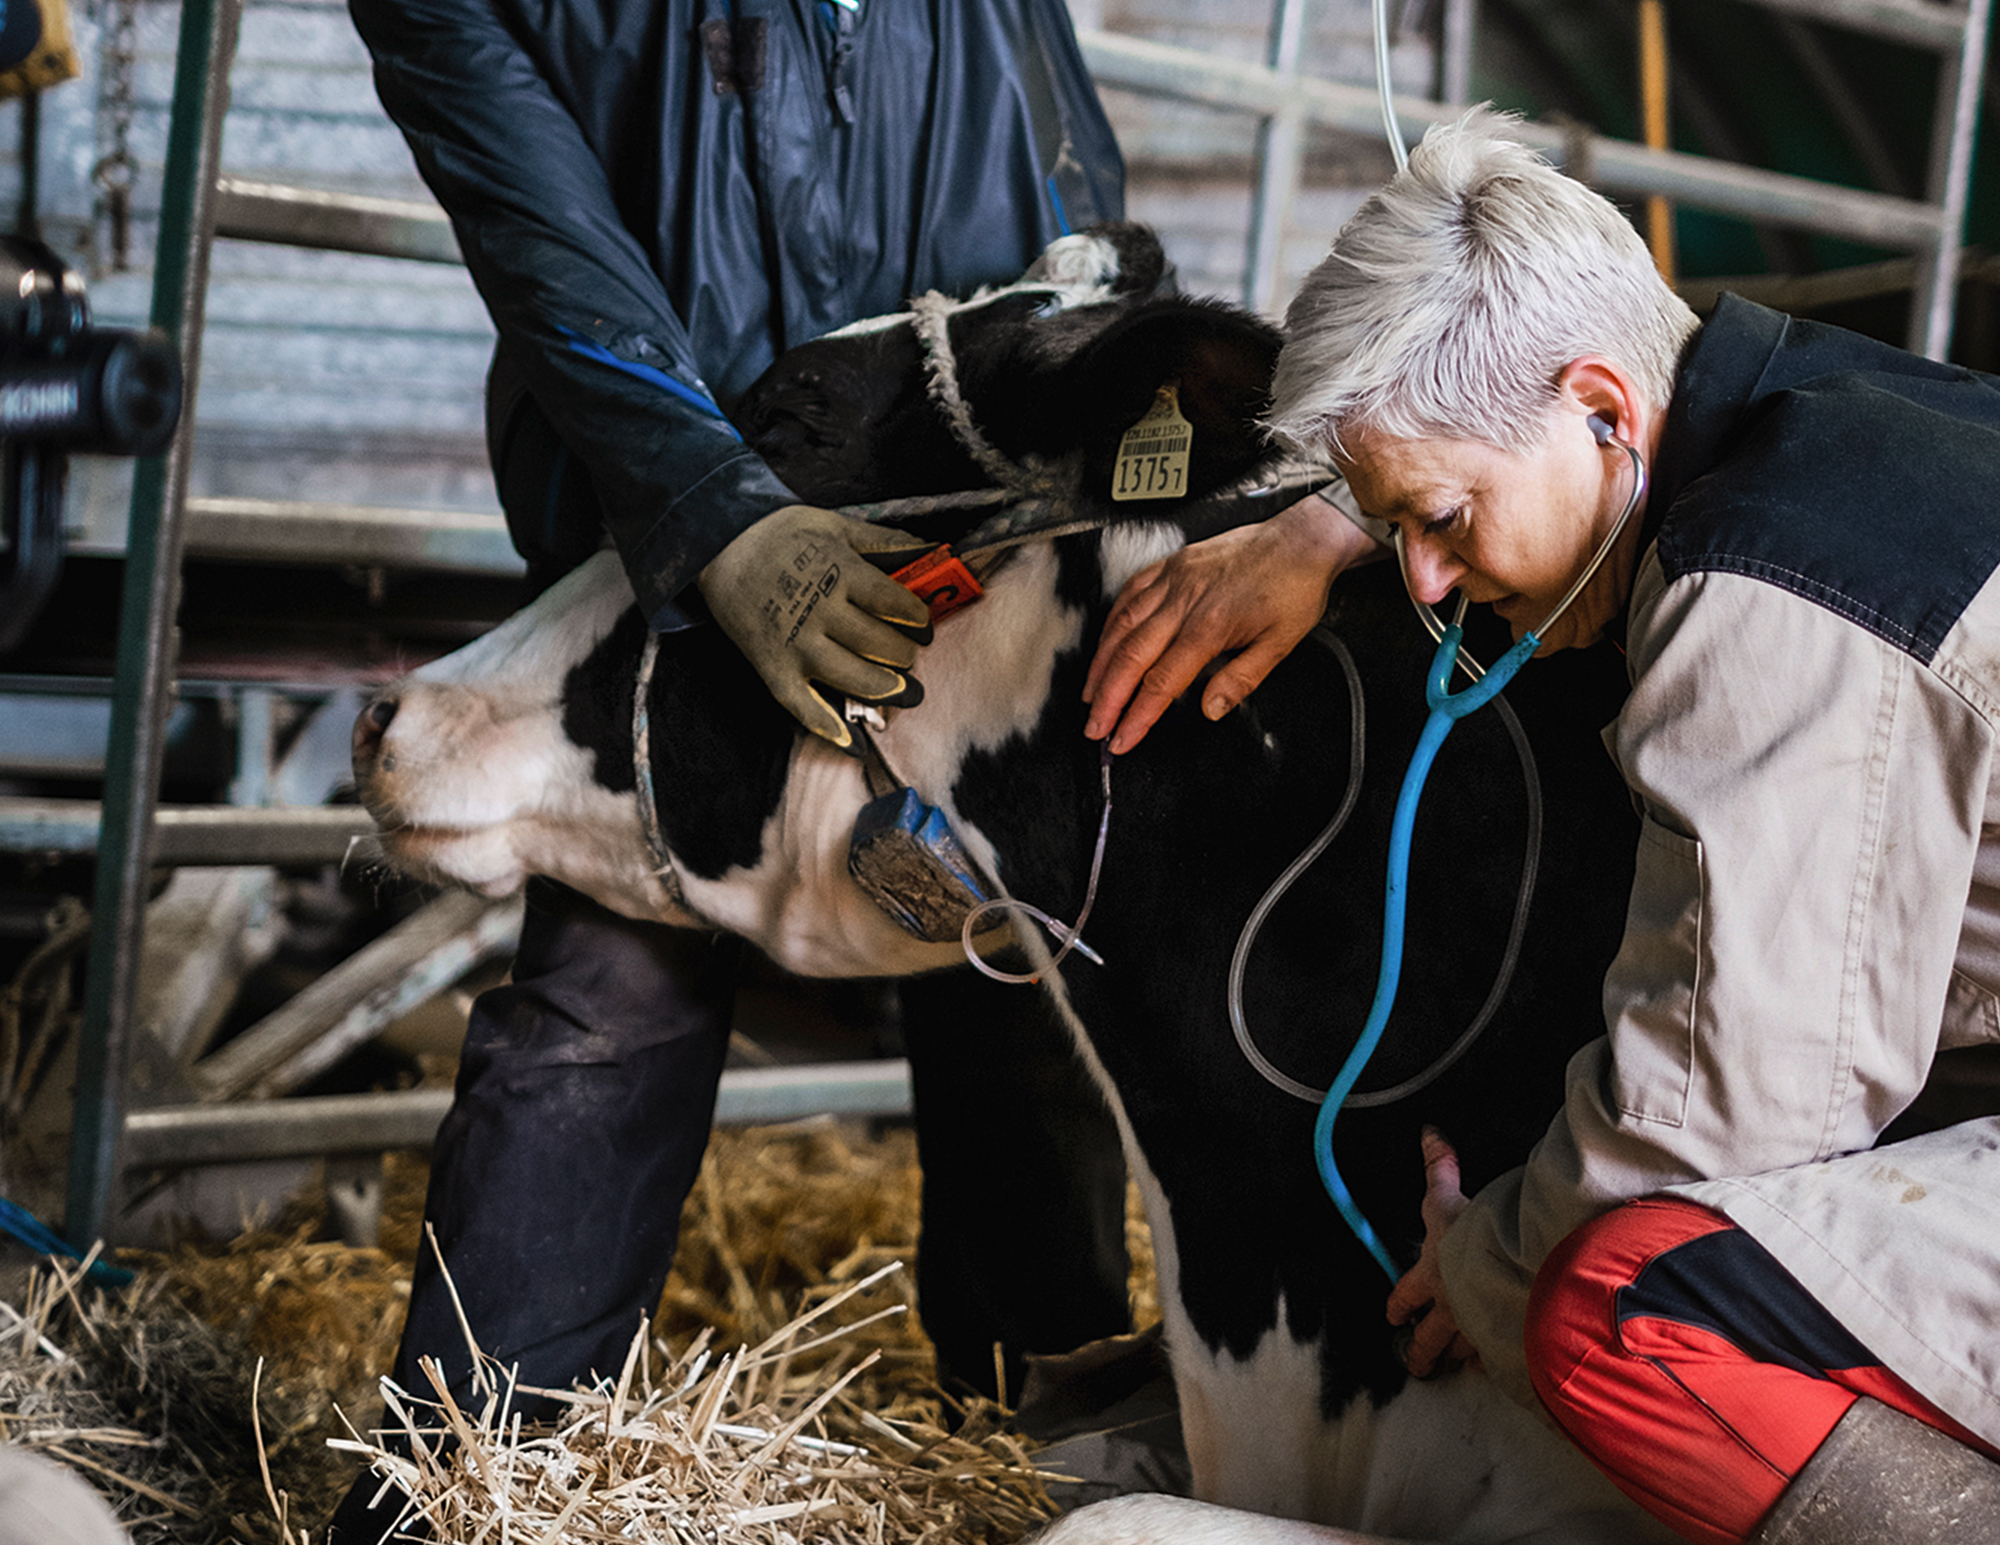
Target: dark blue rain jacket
{"type": "Point", "coordinates": [656, 197]}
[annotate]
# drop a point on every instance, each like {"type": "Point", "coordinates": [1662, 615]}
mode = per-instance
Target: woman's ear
{"type": "Point", "coordinates": [1600, 393]}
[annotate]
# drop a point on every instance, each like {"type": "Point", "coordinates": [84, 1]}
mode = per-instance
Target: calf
{"type": "Point", "coordinates": [515, 756]}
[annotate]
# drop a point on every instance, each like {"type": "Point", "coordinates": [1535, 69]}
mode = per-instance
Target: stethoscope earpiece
{"type": "Point", "coordinates": [1601, 428]}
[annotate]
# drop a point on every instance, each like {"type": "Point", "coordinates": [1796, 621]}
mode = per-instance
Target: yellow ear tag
{"type": "Point", "coordinates": [1153, 455]}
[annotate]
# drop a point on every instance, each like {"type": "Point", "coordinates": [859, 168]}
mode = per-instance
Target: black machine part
{"type": "Point", "coordinates": [65, 388]}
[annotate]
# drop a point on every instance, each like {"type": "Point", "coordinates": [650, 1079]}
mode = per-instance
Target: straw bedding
{"type": "Point", "coordinates": [782, 1395]}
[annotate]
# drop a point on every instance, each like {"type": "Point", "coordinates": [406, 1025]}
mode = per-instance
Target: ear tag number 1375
{"type": "Point", "coordinates": [1153, 455]}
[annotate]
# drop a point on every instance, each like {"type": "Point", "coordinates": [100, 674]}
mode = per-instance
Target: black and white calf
{"type": "Point", "coordinates": [515, 756]}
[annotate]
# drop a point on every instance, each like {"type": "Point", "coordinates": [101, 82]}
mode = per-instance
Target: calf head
{"type": "Point", "coordinates": [513, 757]}
{"type": "Point", "coordinates": [1053, 371]}
{"type": "Point", "coordinates": [495, 762]}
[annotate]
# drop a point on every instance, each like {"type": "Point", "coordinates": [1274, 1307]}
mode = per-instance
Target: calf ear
{"type": "Point", "coordinates": [1122, 253]}
{"type": "Point", "coordinates": [1219, 361]}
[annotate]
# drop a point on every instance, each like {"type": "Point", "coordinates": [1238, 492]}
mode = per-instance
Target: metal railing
{"type": "Point", "coordinates": [1284, 101]}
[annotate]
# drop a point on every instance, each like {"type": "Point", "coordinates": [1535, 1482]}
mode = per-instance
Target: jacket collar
{"type": "Point", "coordinates": [1722, 372]}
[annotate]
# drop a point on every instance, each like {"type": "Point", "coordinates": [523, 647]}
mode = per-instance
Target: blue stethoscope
{"type": "Point", "coordinates": [1446, 709]}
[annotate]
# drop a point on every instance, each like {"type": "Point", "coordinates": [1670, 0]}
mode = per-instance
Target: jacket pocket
{"type": "Point", "coordinates": [1653, 985]}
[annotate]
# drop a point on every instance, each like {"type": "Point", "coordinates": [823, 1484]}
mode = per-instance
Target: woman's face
{"type": "Point", "coordinates": [1510, 530]}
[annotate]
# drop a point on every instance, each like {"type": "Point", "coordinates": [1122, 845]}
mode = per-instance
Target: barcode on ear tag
{"type": "Point", "coordinates": [1153, 455]}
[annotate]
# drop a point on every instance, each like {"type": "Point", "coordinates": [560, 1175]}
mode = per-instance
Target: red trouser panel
{"type": "Point", "coordinates": [1692, 1368]}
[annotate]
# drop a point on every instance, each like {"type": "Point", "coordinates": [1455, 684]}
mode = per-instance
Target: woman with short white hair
{"type": "Point", "coordinates": [1760, 1318]}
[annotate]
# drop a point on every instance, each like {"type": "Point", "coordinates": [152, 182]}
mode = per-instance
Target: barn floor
{"type": "Point", "coordinates": [156, 1408]}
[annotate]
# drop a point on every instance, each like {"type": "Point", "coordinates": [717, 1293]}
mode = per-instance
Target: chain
{"type": "Point", "coordinates": [116, 173]}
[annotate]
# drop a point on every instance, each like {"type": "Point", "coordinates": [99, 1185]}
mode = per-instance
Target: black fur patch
{"type": "Point", "coordinates": [597, 703]}
{"type": "Point", "coordinates": [1205, 817]}
{"type": "Point", "coordinates": [719, 743]}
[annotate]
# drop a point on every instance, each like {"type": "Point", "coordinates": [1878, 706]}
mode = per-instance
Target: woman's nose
{"type": "Point", "coordinates": [1429, 570]}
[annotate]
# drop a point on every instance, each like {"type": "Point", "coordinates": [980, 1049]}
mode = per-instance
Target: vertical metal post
{"type": "Point", "coordinates": [143, 680]}
{"type": "Point", "coordinates": [1954, 133]}
{"type": "Point", "coordinates": [1280, 159]}
{"type": "Point", "coordinates": [1455, 63]}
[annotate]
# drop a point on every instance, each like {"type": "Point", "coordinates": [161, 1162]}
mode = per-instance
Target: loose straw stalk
{"type": "Point", "coordinates": [742, 1448]}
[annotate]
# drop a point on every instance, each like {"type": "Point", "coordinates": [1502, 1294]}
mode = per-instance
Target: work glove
{"type": "Point", "coordinates": [799, 595]}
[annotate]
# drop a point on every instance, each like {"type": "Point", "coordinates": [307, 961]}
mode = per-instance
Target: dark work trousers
{"type": "Point", "coordinates": [587, 1088]}
{"type": "Point", "coordinates": [584, 1098]}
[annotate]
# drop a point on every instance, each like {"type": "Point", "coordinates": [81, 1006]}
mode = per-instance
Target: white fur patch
{"type": "Point", "coordinates": [1076, 262]}
{"type": "Point", "coordinates": [797, 903]}
{"type": "Point", "coordinates": [1127, 548]}
{"type": "Point", "coordinates": [1452, 1460]}
{"type": "Point", "coordinates": [1150, 1519]}
{"type": "Point", "coordinates": [532, 651]}
{"type": "Point", "coordinates": [987, 677]}
{"type": "Point", "coordinates": [475, 784]}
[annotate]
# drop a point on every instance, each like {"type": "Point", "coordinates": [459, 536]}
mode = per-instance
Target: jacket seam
{"type": "Point", "coordinates": [1868, 859]}
{"type": "Point", "coordinates": [1806, 588]}
{"type": "Point", "coordinates": [1808, 1235]}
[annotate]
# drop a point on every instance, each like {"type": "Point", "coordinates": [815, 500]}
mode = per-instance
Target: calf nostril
{"type": "Point", "coordinates": [369, 727]}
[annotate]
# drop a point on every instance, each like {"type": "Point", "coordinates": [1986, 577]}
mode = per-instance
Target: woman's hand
{"type": "Point", "coordinates": [1258, 590]}
{"type": "Point", "coordinates": [1436, 1344]}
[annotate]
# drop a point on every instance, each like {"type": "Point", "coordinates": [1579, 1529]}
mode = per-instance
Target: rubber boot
{"type": "Point", "coordinates": [1883, 1478]}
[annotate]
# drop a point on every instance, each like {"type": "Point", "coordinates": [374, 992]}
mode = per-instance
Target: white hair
{"type": "Point", "coordinates": [1454, 298]}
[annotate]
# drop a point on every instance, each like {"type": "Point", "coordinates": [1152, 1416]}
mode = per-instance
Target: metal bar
{"type": "Point", "coordinates": [349, 1006]}
{"type": "Point", "coordinates": [281, 531]}
{"type": "Point", "coordinates": [1807, 46]}
{"type": "Point", "coordinates": [1934, 305]}
{"type": "Point", "coordinates": [142, 681]}
{"type": "Point", "coordinates": [1455, 61]}
{"type": "Point", "coordinates": [320, 759]}
{"type": "Point", "coordinates": [334, 222]}
{"type": "Point", "coordinates": [256, 733]}
{"type": "Point", "coordinates": [1616, 166]}
{"type": "Point", "coordinates": [193, 836]}
{"type": "Point", "coordinates": [1805, 292]}
{"type": "Point", "coordinates": [762, 1096]}
{"type": "Point", "coordinates": [1919, 23]}
{"type": "Point", "coordinates": [1279, 161]}
{"type": "Point", "coordinates": [175, 1136]}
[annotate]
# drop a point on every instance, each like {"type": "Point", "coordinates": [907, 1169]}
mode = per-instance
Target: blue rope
{"type": "Point", "coordinates": [37, 1235]}
{"type": "Point", "coordinates": [1447, 709]}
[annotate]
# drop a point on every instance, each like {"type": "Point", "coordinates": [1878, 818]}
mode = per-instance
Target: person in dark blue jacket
{"type": "Point", "coordinates": [655, 198]}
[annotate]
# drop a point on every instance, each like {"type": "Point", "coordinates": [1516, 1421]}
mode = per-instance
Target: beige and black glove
{"type": "Point", "coordinates": [798, 594]}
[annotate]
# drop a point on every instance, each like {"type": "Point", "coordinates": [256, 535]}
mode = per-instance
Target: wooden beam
{"type": "Point", "coordinates": [350, 1005]}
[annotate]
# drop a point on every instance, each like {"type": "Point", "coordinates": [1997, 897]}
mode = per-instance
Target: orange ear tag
{"type": "Point", "coordinates": [940, 581]}
{"type": "Point", "coordinates": [1153, 455]}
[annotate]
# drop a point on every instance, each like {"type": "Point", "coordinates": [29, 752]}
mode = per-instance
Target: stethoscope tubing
{"type": "Point", "coordinates": [1446, 709]}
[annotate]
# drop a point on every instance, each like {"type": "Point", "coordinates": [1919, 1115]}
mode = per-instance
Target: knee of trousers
{"type": "Point", "coordinates": [591, 987]}
{"type": "Point", "coordinates": [1572, 1316]}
